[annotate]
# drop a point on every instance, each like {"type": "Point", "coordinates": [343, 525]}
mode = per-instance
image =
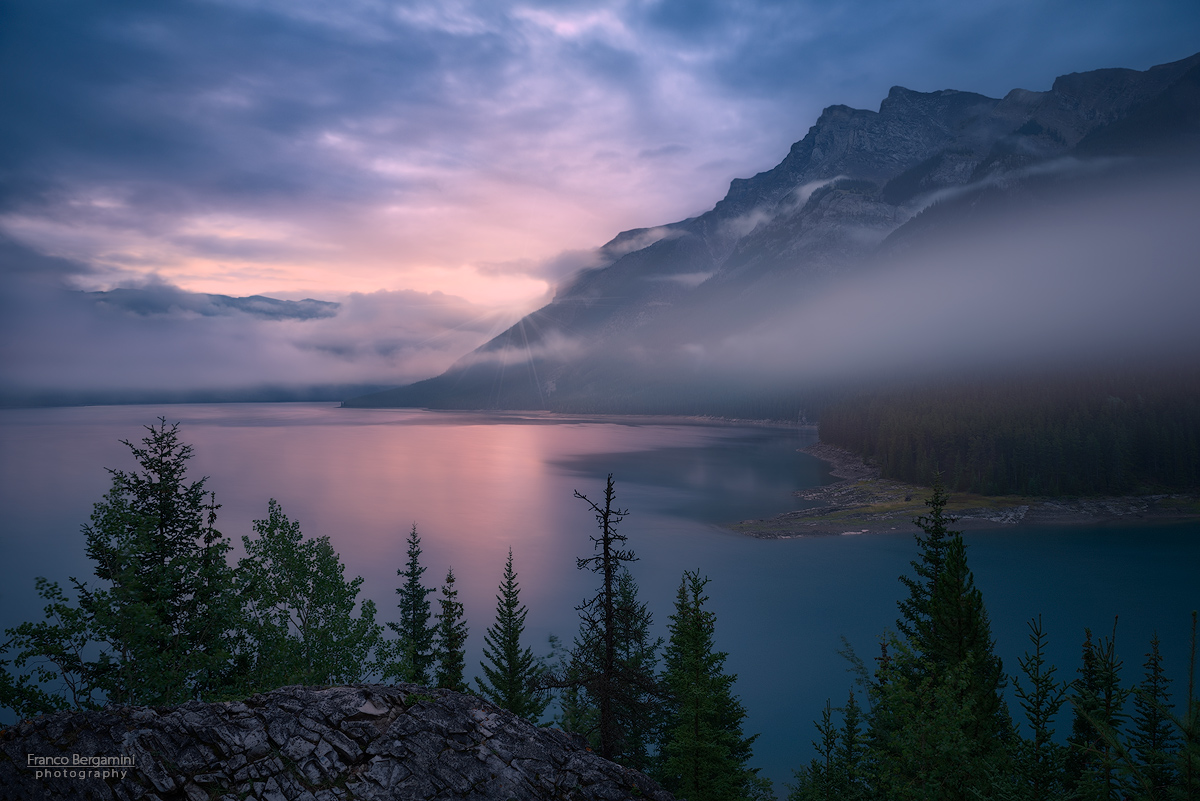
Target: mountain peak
{"type": "Point", "coordinates": [858, 178]}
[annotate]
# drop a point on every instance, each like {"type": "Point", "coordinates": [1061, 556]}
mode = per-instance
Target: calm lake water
{"type": "Point", "coordinates": [476, 485]}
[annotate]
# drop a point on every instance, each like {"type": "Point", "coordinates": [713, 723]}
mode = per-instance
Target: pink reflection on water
{"type": "Point", "coordinates": [475, 485]}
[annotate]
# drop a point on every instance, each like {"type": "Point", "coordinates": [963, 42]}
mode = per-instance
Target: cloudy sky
{"type": "Point", "coordinates": [454, 157]}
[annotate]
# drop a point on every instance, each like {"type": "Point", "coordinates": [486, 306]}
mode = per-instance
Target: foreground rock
{"type": "Point", "coordinates": [307, 744]}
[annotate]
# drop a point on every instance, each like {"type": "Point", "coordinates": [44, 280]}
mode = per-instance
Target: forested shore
{"type": "Point", "coordinates": [1073, 435]}
{"type": "Point", "coordinates": [863, 502]}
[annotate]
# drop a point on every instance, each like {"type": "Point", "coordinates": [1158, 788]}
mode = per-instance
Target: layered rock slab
{"type": "Point", "coordinates": [308, 744]}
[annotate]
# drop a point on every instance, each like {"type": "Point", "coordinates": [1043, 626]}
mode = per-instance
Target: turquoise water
{"type": "Point", "coordinates": [477, 484]}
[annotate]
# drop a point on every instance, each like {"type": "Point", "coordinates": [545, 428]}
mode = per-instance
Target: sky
{"type": "Point", "coordinates": [435, 167]}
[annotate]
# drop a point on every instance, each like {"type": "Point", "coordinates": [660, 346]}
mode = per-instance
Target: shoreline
{"type": "Point", "coordinates": [862, 502]}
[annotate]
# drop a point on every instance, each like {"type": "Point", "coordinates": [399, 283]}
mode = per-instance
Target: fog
{"type": "Point", "coordinates": [1106, 276]}
{"type": "Point", "coordinates": [154, 341]}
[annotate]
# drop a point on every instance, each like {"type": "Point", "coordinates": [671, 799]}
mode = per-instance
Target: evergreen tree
{"type": "Point", "coordinates": [1099, 700]}
{"type": "Point", "coordinates": [838, 772]}
{"type": "Point", "coordinates": [703, 754]}
{"type": "Point", "coordinates": [163, 613]}
{"type": "Point", "coordinates": [915, 610]}
{"type": "Point", "coordinates": [1039, 760]}
{"type": "Point", "coordinates": [409, 657]}
{"type": "Point", "coordinates": [818, 782]}
{"type": "Point", "coordinates": [634, 691]}
{"type": "Point", "coordinates": [299, 610]}
{"type": "Point", "coordinates": [1153, 740]}
{"type": "Point", "coordinates": [450, 638]}
{"type": "Point", "coordinates": [939, 720]}
{"type": "Point", "coordinates": [1085, 739]}
{"type": "Point", "coordinates": [167, 612]}
{"type": "Point", "coordinates": [1187, 786]}
{"type": "Point", "coordinates": [921, 747]}
{"type": "Point", "coordinates": [613, 659]}
{"type": "Point", "coordinates": [958, 632]}
{"type": "Point", "coordinates": [851, 752]}
{"type": "Point", "coordinates": [574, 713]}
{"type": "Point", "coordinates": [511, 673]}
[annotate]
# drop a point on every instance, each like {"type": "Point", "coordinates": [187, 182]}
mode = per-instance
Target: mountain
{"type": "Point", "coordinates": [165, 299]}
{"type": "Point", "coordinates": [638, 332]}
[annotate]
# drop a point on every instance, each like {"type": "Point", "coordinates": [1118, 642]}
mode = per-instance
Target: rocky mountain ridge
{"type": "Point", "coordinates": [309, 744]}
{"type": "Point", "coordinates": [858, 182]}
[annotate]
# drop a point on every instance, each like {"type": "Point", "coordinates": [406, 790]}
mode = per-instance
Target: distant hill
{"type": "Point", "coordinates": [148, 301]}
{"type": "Point", "coordinates": [861, 185]}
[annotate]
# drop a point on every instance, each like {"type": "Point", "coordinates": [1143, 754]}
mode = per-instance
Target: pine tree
{"type": "Point", "coordinates": [1152, 741]}
{"type": "Point", "coordinates": [703, 754]}
{"type": "Point", "coordinates": [920, 749]}
{"type": "Point", "coordinates": [838, 772]}
{"type": "Point", "coordinates": [409, 657]}
{"type": "Point", "coordinates": [450, 638]}
{"type": "Point", "coordinates": [575, 713]}
{"type": "Point", "coordinates": [511, 673]}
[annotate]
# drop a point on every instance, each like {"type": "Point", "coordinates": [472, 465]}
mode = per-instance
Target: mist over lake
{"type": "Point", "coordinates": [477, 484]}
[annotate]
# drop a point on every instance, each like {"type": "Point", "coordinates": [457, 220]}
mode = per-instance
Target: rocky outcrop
{"type": "Point", "coordinates": [308, 744]}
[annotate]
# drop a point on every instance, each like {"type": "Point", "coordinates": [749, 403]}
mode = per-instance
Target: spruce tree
{"type": "Point", "coordinates": [932, 542]}
{"type": "Point", "coordinates": [818, 781]}
{"type": "Point", "coordinates": [851, 752]}
{"type": "Point", "coordinates": [838, 771]}
{"type": "Point", "coordinates": [1187, 764]}
{"type": "Point", "coordinates": [612, 659]}
{"type": "Point", "coordinates": [450, 638]}
{"type": "Point", "coordinates": [633, 692]}
{"type": "Point", "coordinates": [1085, 739]}
{"type": "Point", "coordinates": [959, 631]}
{"type": "Point", "coordinates": [409, 657]}
{"type": "Point", "coordinates": [939, 720]}
{"type": "Point", "coordinates": [920, 742]}
{"type": "Point", "coordinates": [164, 612]}
{"type": "Point", "coordinates": [511, 674]}
{"type": "Point", "coordinates": [1099, 701]}
{"type": "Point", "coordinates": [159, 626]}
{"type": "Point", "coordinates": [1153, 741]}
{"type": "Point", "coordinates": [1040, 761]}
{"type": "Point", "coordinates": [703, 754]}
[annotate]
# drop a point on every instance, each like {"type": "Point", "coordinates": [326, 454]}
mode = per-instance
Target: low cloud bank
{"type": "Point", "coordinates": [1104, 279]}
{"type": "Point", "coordinates": [156, 338]}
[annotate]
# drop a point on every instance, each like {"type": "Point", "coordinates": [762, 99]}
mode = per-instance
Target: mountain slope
{"type": "Point", "coordinates": [636, 332]}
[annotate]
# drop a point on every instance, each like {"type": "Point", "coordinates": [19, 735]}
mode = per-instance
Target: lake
{"type": "Point", "coordinates": [477, 484]}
